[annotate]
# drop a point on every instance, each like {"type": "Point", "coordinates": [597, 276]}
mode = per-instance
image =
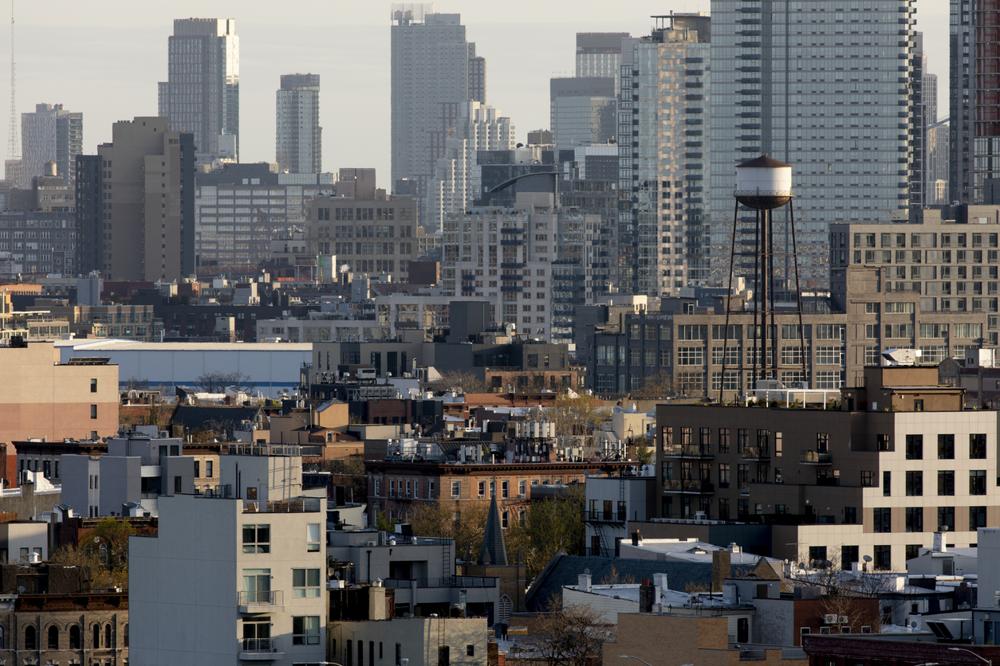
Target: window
{"type": "Point", "coordinates": [724, 475]}
{"type": "Point", "coordinates": [823, 442]}
{"type": "Point", "coordinates": [256, 538]}
{"type": "Point", "coordinates": [313, 536]}
{"type": "Point", "coordinates": [305, 630]}
{"type": "Point", "coordinates": [882, 520]}
{"type": "Point", "coordinates": [93, 385]}
{"type": "Point", "coordinates": [75, 642]}
{"type": "Point", "coordinates": [522, 488]}
{"type": "Point", "coordinates": [977, 446]}
{"type": "Point", "coordinates": [108, 640]}
{"type": "Point", "coordinates": [93, 411]}
{"type": "Point", "coordinates": [95, 636]}
{"type": "Point", "coordinates": [470, 650]}
{"type": "Point", "coordinates": [946, 483]}
{"type": "Point", "coordinates": [209, 469]}
{"type": "Point", "coordinates": [482, 489]}
{"type": "Point", "coordinates": [914, 519]}
{"type": "Point", "coordinates": [848, 556]}
{"type": "Point", "coordinates": [884, 443]}
{"type": "Point", "coordinates": [977, 517]}
{"type": "Point", "coordinates": [31, 638]}
{"type": "Point", "coordinates": [946, 518]}
{"type": "Point", "coordinates": [53, 642]}
{"type": "Point", "coordinates": [867, 478]}
{"type": "Point", "coordinates": [914, 484]}
{"type": "Point", "coordinates": [914, 447]}
{"type": "Point", "coordinates": [305, 583]}
{"type": "Point", "coordinates": [886, 484]}
{"type": "Point", "coordinates": [456, 488]}
{"type": "Point", "coordinates": [883, 557]}
{"type": "Point", "coordinates": [197, 469]}
{"type": "Point", "coordinates": [724, 437]}
{"type": "Point", "coordinates": [505, 489]}
{"type": "Point", "coordinates": [977, 482]}
{"type": "Point", "coordinates": [946, 447]}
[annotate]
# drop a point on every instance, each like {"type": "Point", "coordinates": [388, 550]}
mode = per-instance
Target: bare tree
{"type": "Point", "coordinates": [572, 636]}
{"type": "Point", "coordinates": [655, 387]}
{"type": "Point", "coordinates": [458, 380]}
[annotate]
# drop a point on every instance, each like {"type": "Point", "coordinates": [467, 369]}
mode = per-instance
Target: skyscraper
{"type": "Point", "coordinates": [136, 197]}
{"type": "Point", "coordinates": [430, 87]}
{"type": "Point", "coordinates": [201, 95]}
{"type": "Point", "coordinates": [974, 98]}
{"type": "Point", "coordinates": [477, 75]}
{"type": "Point", "coordinates": [823, 86]}
{"type": "Point", "coordinates": [50, 134]}
{"type": "Point", "coordinates": [600, 54]}
{"type": "Point", "coordinates": [299, 136]}
{"type": "Point", "coordinates": [663, 157]}
{"type": "Point", "coordinates": [582, 110]}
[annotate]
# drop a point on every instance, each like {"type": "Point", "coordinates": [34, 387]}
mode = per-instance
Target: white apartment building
{"type": "Point", "coordinates": [235, 577]}
{"type": "Point", "coordinates": [504, 256]}
{"type": "Point", "coordinates": [456, 181]}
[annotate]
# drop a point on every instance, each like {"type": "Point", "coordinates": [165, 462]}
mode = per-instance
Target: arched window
{"type": "Point", "coordinates": [53, 637]}
{"type": "Point", "coordinates": [30, 638]}
{"type": "Point", "coordinates": [125, 632]}
{"type": "Point", "coordinates": [95, 636]}
{"type": "Point", "coordinates": [107, 636]}
{"type": "Point", "coordinates": [3, 638]}
{"type": "Point", "coordinates": [74, 637]}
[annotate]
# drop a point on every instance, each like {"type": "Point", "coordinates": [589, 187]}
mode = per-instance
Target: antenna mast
{"type": "Point", "coordinates": [13, 150]}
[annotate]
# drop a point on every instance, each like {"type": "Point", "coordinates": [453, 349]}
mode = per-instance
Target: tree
{"type": "Point", "coordinates": [551, 526]}
{"type": "Point", "coordinates": [460, 381]}
{"type": "Point", "coordinates": [575, 415]}
{"type": "Point", "coordinates": [572, 636]}
{"type": "Point", "coordinates": [655, 387]}
{"type": "Point", "coordinates": [217, 382]}
{"type": "Point", "coordinates": [433, 519]}
{"type": "Point", "coordinates": [102, 555]}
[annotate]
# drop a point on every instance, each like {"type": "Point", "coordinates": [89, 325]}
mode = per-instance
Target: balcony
{"type": "Point", "coordinates": [755, 453]}
{"type": "Point", "coordinates": [687, 451]}
{"type": "Point", "coordinates": [604, 516]}
{"type": "Point", "coordinates": [259, 649]}
{"type": "Point", "coordinates": [816, 458]}
{"type": "Point", "coordinates": [688, 486]}
{"type": "Point", "coordinates": [259, 601]}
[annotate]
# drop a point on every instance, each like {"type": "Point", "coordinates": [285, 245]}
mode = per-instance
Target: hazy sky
{"type": "Point", "coordinates": [104, 58]}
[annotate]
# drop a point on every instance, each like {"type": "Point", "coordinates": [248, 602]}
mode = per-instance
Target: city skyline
{"type": "Point", "coordinates": [351, 54]}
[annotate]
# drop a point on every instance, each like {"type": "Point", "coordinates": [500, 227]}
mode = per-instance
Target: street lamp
{"type": "Point", "coordinates": [974, 654]}
{"type": "Point", "coordinates": [628, 656]}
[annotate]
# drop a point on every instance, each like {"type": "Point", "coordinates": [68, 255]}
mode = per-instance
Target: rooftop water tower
{"type": "Point", "coordinates": [762, 185]}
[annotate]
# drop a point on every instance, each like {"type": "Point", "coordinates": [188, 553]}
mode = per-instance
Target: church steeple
{"type": "Point", "coordinates": [493, 550]}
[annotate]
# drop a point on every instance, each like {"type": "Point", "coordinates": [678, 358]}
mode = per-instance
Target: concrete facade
{"type": "Point", "coordinates": [43, 397]}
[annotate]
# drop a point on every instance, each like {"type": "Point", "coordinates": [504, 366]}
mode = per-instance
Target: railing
{"type": "Point", "coordinates": [447, 581]}
{"type": "Point", "coordinates": [295, 505]}
{"type": "Point", "coordinates": [816, 458]}
{"type": "Point", "coordinates": [688, 451]}
{"type": "Point", "coordinates": [605, 516]}
{"type": "Point", "coordinates": [259, 598]}
{"type": "Point", "coordinates": [688, 486]}
{"type": "Point", "coordinates": [755, 453]}
{"type": "Point", "coordinates": [257, 645]}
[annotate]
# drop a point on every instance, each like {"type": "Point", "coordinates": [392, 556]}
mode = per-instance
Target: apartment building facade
{"type": "Point", "coordinates": [236, 576]}
{"type": "Point", "coordinates": [950, 266]}
{"type": "Point", "coordinates": [875, 478]}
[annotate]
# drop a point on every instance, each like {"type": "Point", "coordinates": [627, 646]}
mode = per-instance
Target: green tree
{"type": "Point", "coordinates": [433, 519]}
{"type": "Point", "coordinates": [551, 526]}
{"type": "Point", "coordinates": [102, 556]}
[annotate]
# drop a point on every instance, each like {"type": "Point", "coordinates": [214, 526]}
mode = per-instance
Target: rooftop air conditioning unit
{"type": "Point", "coordinates": [830, 618]}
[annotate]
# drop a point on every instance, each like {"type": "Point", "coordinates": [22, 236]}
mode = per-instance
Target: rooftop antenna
{"type": "Point", "coordinates": [13, 151]}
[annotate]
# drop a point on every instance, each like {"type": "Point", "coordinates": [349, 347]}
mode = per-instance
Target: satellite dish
{"type": "Point", "coordinates": [867, 558]}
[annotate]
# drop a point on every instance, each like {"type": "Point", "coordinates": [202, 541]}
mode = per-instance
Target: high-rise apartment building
{"type": "Point", "coordinates": [918, 128]}
{"type": "Point", "coordinates": [505, 256]}
{"type": "Point", "coordinates": [430, 88]}
{"type": "Point", "coordinates": [299, 136]}
{"type": "Point", "coordinates": [938, 154]}
{"type": "Point", "coordinates": [582, 111]}
{"type": "Point", "coordinates": [663, 157]}
{"type": "Point", "coordinates": [974, 98]}
{"type": "Point", "coordinates": [824, 86]}
{"type": "Point", "coordinates": [136, 203]}
{"type": "Point", "coordinates": [50, 134]}
{"type": "Point", "coordinates": [201, 95]}
{"type": "Point", "coordinates": [457, 181]}
{"type": "Point", "coordinates": [477, 75]}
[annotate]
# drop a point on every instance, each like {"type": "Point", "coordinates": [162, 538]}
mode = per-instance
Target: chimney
{"type": "Point", "coordinates": [721, 568]}
{"type": "Point", "coordinates": [647, 595]}
{"type": "Point", "coordinates": [636, 539]}
{"type": "Point", "coordinates": [660, 582]}
{"type": "Point", "coordinates": [583, 581]}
